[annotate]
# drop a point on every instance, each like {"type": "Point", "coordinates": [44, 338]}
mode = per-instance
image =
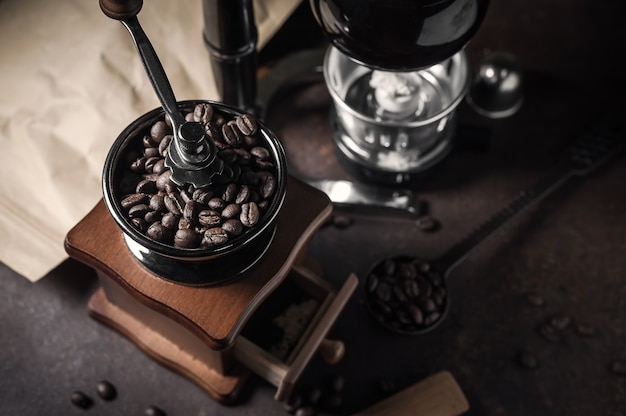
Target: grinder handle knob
{"type": "Point", "coordinates": [332, 351]}
{"type": "Point", "coordinates": [121, 9]}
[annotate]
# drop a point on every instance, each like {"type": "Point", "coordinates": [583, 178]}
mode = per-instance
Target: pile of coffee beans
{"type": "Point", "coordinates": [405, 295]}
{"type": "Point", "coordinates": [199, 218]}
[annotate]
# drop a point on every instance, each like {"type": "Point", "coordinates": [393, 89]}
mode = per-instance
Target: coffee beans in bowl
{"type": "Point", "coordinates": [405, 295]}
{"type": "Point", "coordinates": [174, 229]}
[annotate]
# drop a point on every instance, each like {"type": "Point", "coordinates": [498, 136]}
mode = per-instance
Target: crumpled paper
{"type": "Point", "coordinates": [70, 81]}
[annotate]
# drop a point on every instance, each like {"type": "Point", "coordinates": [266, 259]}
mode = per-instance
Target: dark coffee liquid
{"type": "Point", "coordinates": [399, 35]}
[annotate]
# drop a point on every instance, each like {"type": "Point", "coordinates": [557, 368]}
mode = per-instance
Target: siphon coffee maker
{"type": "Point", "coordinates": [211, 292]}
{"type": "Point", "coordinates": [396, 72]}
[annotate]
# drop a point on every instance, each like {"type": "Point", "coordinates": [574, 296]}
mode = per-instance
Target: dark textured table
{"type": "Point", "coordinates": [568, 250]}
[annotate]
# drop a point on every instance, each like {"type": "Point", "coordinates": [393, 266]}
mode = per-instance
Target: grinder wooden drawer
{"type": "Point", "coordinates": [286, 331]}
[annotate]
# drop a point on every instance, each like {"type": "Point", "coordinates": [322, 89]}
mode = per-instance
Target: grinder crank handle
{"type": "Point", "coordinates": [126, 12]}
{"type": "Point", "coordinates": [121, 9]}
{"type": "Point", "coordinates": [192, 157]}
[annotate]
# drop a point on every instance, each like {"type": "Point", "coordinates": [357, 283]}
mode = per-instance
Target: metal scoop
{"type": "Point", "coordinates": [192, 156]}
{"type": "Point", "coordinates": [409, 295]}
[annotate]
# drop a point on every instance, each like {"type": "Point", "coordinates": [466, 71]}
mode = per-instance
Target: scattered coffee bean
{"type": "Point", "coordinates": [527, 359]}
{"type": "Point", "coordinates": [148, 195]}
{"type": "Point", "coordinates": [585, 330]}
{"type": "Point", "coordinates": [246, 124]}
{"type": "Point", "coordinates": [405, 295]}
{"type": "Point", "coordinates": [427, 223]}
{"type": "Point", "coordinates": [154, 411]}
{"type": "Point", "coordinates": [342, 221]}
{"type": "Point", "coordinates": [305, 411]}
{"type": "Point", "coordinates": [560, 322]}
{"type": "Point", "coordinates": [106, 390]}
{"type": "Point", "coordinates": [549, 333]}
{"type": "Point", "coordinates": [80, 399]}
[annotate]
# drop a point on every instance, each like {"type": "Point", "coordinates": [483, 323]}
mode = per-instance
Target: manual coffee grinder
{"type": "Point", "coordinates": [199, 284]}
{"type": "Point", "coordinates": [396, 71]}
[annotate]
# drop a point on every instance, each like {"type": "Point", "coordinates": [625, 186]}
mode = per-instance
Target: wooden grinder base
{"type": "Point", "coordinates": [191, 329]}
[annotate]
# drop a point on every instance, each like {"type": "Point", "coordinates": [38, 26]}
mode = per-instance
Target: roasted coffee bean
{"type": "Point", "coordinates": [560, 322]}
{"type": "Point", "coordinates": [314, 395]}
{"type": "Point", "coordinates": [154, 411]}
{"type": "Point", "coordinates": [243, 195]}
{"type": "Point", "coordinates": [398, 292]}
{"type": "Point", "coordinates": [231, 210]}
{"type": "Point", "coordinates": [157, 202]}
{"type": "Point", "coordinates": [431, 318]}
{"type": "Point", "coordinates": [416, 314]}
{"type": "Point", "coordinates": [209, 218]}
{"type": "Point", "coordinates": [215, 236]}
{"type": "Point", "coordinates": [202, 196]}
{"type": "Point", "coordinates": [134, 199]}
{"type": "Point", "coordinates": [341, 221]}
{"type": "Point", "coordinates": [164, 180]}
{"type": "Point", "coordinates": [190, 212]}
{"type": "Point", "coordinates": [174, 204]}
{"type": "Point", "coordinates": [138, 211]}
{"type": "Point", "coordinates": [106, 390]}
{"type": "Point", "coordinates": [411, 288]}
{"type": "Point", "coordinates": [146, 186]}
{"type": "Point", "coordinates": [159, 130]}
{"type": "Point", "coordinates": [184, 224]}
{"type": "Point", "coordinates": [585, 330]}
{"type": "Point", "coordinates": [231, 133]}
{"type": "Point", "coordinates": [305, 411]}
{"type": "Point", "coordinates": [383, 291]}
{"type": "Point", "coordinates": [246, 124]}
{"type": "Point", "coordinates": [372, 283]}
{"type": "Point", "coordinates": [260, 152]}
{"type": "Point", "coordinates": [407, 271]}
{"type": "Point", "coordinates": [186, 238]}
{"type": "Point", "coordinates": [152, 152]}
{"type": "Point", "coordinates": [230, 192]}
{"type": "Point", "coordinates": [138, 165]}
{"type": "Point", "coordinates": [170, 220]}
{"type": "Point", "coordinates": [233, 227]}
{"type": "Point", "coordinates": [203, 113]}
{"type": "Point", "coordinates": [149, 165]}
{"type": "Point", "coordinates": [268, 185]}
{"type": "Point", "coordinates": [217, 204]}
{"type": "Point", "coordinates": [549, 333]}
{"type": "Point", "coordinates": [164, 145]}
{"type": "Point", "coordinates": [250, 214]}
{"type": "Point", "coordinates": [263, 205]}
{"type": "Point", "coordinates": [158, 232]}
{"type": "Point", "coordinates": [152, 216]}
{"type": "Point", "coordinates": [80, 399]}
{"type": "Point", "coordinates": [139, 224]}
{"type": "Point", "coordinates": [427, 223]}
